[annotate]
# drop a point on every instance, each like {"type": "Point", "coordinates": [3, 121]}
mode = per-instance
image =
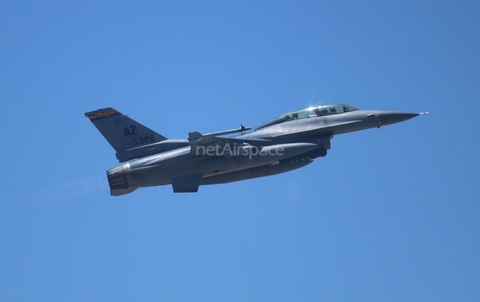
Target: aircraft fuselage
{"type": "Point", "coordinates": [289, 142]}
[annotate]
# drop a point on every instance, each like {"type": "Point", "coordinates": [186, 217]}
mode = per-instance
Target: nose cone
{"type": "Point", "coordinates": [393, 117]}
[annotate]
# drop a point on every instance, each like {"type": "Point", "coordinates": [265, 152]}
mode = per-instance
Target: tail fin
{"type": "Point", "coordinates": [122, 132]}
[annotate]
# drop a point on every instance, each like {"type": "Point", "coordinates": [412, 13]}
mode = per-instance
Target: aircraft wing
{"type": "Point", "coordinates": [201, 143]}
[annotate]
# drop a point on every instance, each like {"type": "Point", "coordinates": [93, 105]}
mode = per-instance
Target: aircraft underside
{"type": "Point", "coordinates": [208, 171]}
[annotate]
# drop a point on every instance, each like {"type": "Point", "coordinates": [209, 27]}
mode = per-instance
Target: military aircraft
{"type": "Point", "coordinates": [288, 142]}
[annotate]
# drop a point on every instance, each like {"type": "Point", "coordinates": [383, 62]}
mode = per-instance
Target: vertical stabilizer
{"type": "Point", "coordinates": [122, 132]}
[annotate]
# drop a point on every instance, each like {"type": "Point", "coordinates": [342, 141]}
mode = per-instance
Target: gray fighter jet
{"type": "Point", "coordinates": [291, 141]}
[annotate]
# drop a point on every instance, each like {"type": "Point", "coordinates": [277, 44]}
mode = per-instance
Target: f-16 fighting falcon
{"type": "Point", "coordinates": [290, 141]}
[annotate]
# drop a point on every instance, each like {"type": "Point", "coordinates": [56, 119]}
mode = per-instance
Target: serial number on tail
{"type": "Point", "coordinates": [142, 140]}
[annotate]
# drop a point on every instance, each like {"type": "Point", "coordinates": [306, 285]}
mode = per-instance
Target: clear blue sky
{"type": "Point", "coordinates": [388, 215]}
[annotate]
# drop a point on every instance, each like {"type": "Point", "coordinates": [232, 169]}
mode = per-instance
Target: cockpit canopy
{"type": "Point", "coordinates": [321, 110]}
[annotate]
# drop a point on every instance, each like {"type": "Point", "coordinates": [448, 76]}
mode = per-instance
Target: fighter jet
{"type": "Point", "coordinates": [288, 142]}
